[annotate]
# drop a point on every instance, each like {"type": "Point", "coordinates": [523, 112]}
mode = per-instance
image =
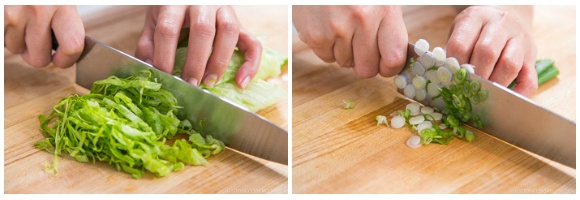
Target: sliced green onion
{"type": "Point", "coordinates": [427, 60]}
{"type": "Point", "coordinates": [432, 76]}
{"type": "Point", "coordinates": [414, 142]}
{"type": "Point", "coordinates": [419, 82]}
{"type": "Point", "coordinates": [469, 136]}
{"type": "Point", "coordinates": [470, 68]}
{"type": "Point", "coordinates": [439, 55]}
{"type": "Point", "coordinates": [460, 76]}
{"type": "Point", "coordinates": [398, 122]}
{"type": "Point", "coordinates": [421, 46]}
{"type": "Point", "coordinates": [409, 91]}
{"type": "Point", "coordinates": [381, 119]}
{"type": "Point", "coordinates": [416, 120]}
{"type": "Point", "coordinates": [452, 64]}
{"type": "Point", "coordinates": [418, 68]}
{"type": "Point", "coordinates": [401, 81]}
{"type": "Point", "coordinates": [414, 108]}
{"type": "Point", "coordinates": [348, 104]}
{"type": "Point", "coordinates": [444, 75]}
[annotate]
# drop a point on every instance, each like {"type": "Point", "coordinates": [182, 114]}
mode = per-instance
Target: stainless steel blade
{"type": "Point", "coordinates": [519, 121]}
{"type": "Point", "coordinates": [237, 127]}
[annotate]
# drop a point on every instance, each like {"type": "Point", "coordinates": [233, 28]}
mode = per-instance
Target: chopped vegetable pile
{"type": "Point", "coordinates": [127, 123]}
{"type": "Point", "coordinates": [442, 82]}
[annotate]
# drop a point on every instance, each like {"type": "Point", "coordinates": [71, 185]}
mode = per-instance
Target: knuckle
{"type": "Point", "coordinates": [204, 28]}
{"type": "Point", "coordinates": [488, 52]}
{"type": "Point", "coordinates": [167, 29]}
{"type": "Point", "coordinates": [457, 48]}
{"type": "Point", "coordinates": [229, 28]}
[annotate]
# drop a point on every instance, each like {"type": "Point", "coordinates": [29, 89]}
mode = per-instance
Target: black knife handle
{"type": "Point", "coordinates": [54, 41]}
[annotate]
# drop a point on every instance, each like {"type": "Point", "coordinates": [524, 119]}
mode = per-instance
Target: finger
{"type": "Point", "coordinates": [509, 63]}
{"type": "Point", "coordinates": [70, 33]}
{"type": "Point", "coordinates": [14, 39]}
{"type": "Point", "coordinates": [464, 35]}
{"type": "Point", "coordinates": [14, 24]}
{"type": "Point", "coordinates": [252, 49]}
{"type": "Point", "coordinates": [169, 23]}
{"type": "Point", "coordinates": [366, 51]}
{"type": "Point", "coordinates": [226, 38]}
{"type": "Point", "coordinates": [487, 50]}
{"type": "Point", "coordinates": [527, 80]}
{"type": "Point", "coordinates": [392, 38]}
{"type": "Point", "coordinates": [201, 36]}
{"type": "Point", "coordinates": [38, 40]}
{"type": "Point", "coordinates": [322, 46]}
{"type": "Point", "coordinates": [145, 44]}
{"type": "Point", "coordinates": [343, 51]}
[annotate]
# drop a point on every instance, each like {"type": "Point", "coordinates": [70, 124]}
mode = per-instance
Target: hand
{"type": "Point", "coordinates": [370, 39]}
{"type": "Point", "coordinates": [210, 26]}
{"type": "Point", "coordinates": [498, 41]}
{"type": "Point", "coordinates": [27, 32]}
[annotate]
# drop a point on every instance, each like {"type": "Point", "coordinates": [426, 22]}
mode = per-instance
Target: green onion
{"type": "Point", "coordinates": [545, 70]}
{"type": "Point", "coordinates": [460, 76]}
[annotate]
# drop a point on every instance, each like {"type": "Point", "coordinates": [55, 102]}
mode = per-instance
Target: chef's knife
{"type": "Point", "coordinates": [517, 120]}
{"type": "Point", "coordinates": [237, 127]}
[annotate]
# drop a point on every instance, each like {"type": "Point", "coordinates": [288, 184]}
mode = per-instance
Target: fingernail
{"type": "Point", "coordinates": [210, 80]}
{"type": "Point", "coordinates": [245, 82]}
{"type": "Point", "coordinates": [193, 81]}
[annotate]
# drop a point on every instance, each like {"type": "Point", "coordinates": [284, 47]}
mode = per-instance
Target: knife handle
{"type": "Point", "coordinates": [54, 41]}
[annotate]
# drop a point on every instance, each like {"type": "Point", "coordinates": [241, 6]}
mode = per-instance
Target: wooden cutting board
{"type": "Point", "coordinates": [343, 151]}
{"type": "Point", "coordinates": [29, 92]}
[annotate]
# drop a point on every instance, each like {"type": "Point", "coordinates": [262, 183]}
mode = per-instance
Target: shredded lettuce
{"type": "Point", "coordinates": [259, 93]}
{"type": "Point", "coordinates": [127, 123]}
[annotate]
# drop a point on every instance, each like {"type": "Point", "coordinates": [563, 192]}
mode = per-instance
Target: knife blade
{"type": "Point", "coordinates": [237, 127]}
{"type": "Point", "coordinates": [519, 121]}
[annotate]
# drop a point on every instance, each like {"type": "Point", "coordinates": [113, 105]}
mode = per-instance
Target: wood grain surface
{"type": "Point", "coordinates": [29, 92]}
{"type": "Point", "coordinates": [343, 151]}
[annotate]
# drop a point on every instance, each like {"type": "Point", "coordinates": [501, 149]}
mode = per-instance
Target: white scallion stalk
{"type": "Point", "coordinates": [409, 91]}
{"type": "Point", "coordinates": [442, 126]}
{"type": "Point", "coordinates": [421, 46]}
{"type": "Point", "coordinates": [439, 55]}
{"type": "Point", "coordinates": [420, 94]}
{"type": "Point", "coordinates": [427, 110]}
{"type": "Point", "coordinates": [424, 125]}
{"type": "Point", "coordinates": [436, 116]}
{"type": "Point", "coordinates": [433, 89]}
{"type": "Point", "coordinates": [427, 60]}
{"type": "Point", "coordinates": [414, 142]}
{"type": "Point", "coordinates": [416, 120]}
{"type": "Point", "coordinates": [381, 119]}
{"type": "Point", "coordinates": [401, 81]}
{"type": "Point", "coordinates": [419, 82]}
{"type": "Point", "coordinates": [432, 76]}
{"type": "Point", "coordinates": [437, 103]}
{"type": "Point", "coordinates": [469, 67]}
{"type": "Point", "coordinates": [444, 75]}
{"type": "Point", "coordinates": [398, 121]}
{"type": "Point", "coordinates": [414, 107]}
{"type": "Point", "coordinates": [452, 64]}
{"type": "Point", "coordinates": [418, 68]}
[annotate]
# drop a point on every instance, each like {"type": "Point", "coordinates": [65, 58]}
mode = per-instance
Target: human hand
{"type": "Point", "coordinates": [370, 39]}
{"type": "Point", "coordinates": [27, 32]}
{"type": "Point", "coordinates": [210, 26]}
{"type": "Point", "coordinates": [498, 41]}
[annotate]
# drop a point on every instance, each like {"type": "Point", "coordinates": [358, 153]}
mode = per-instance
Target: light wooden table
{"type": "Point", "coordinates": [344, 151]}
{"type": "Point", "coordinates": [29, 92]}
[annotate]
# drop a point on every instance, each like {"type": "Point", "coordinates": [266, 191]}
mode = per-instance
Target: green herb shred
{"type": "Point", "coordinates": [128, 123]}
